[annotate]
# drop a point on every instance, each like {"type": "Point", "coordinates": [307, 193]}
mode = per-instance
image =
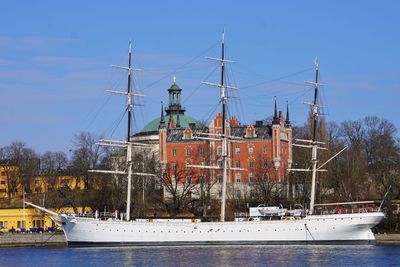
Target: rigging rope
{"type": "Point", "coordinates": [180, 67]}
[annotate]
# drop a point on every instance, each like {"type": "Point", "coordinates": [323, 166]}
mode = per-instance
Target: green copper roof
{"type": "Point", "coordinates": [184, 120]}
{"type": "Point", "coordinates": [174, 87]}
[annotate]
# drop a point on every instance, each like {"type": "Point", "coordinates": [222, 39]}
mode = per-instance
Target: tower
{"type": "Point", "coordinates": [276, 140]}
{"type": "Point", "coordinates": [162, 134]}
{"type": "Point", "coordinates": [288, 128]}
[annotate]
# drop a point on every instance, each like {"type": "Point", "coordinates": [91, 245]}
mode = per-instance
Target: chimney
{"type": "Point", "coordinates": [259, 123]}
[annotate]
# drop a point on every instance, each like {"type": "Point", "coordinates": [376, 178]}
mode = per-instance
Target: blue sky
{"type": "Point", "coordinates": [55, 61]}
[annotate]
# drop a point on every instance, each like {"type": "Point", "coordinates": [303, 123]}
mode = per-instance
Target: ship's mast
{"type": "Point", "coordinates": [314, 160]}
{"type": "Point", "coordinates": [126, 144]}
{"type": "Point", "coordinates": [313, 143]}
{"type": "Point", "coordinates": [129, 107]}
{"type": "Point", "coordinates": [129, 147]}
{"type": "Point", "coordinates": [222, 137]}
{"type": "Point", "coordinates": [224, 134]}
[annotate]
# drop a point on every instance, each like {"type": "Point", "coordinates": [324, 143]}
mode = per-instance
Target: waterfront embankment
{"type": "Point", "coordinates": [58, 239]}
{"type": "Point", "coordinates": [387, 239]}
{"type": "Point", "coordinates": [32, 239]}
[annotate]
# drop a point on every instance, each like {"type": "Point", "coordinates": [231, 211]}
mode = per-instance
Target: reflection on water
{"type": "Point", "coordinates": [293, 255]}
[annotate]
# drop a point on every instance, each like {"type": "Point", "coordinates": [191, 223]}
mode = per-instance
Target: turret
{"type": "Point", "coordinates": [174, 106]}
{"type": "Point", "coordinates": [275, 120]}
{"type": "Point", "coordinates": [287, 120]}
{"type": "Point", "coordinates": [289, 134]}
{"type": "Point", "coordinates": [276, 139]}
{"type": "Point", "coordinates": [162, 119]}
{"type": "Point", "coordinates": [162, 135]}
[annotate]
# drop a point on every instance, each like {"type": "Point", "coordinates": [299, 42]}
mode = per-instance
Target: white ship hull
{"type": "Point", "coordinates": [337, 228]}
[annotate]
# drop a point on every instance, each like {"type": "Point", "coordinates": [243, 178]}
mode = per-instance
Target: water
{"type": "Point", "coordinates": [304, 255]}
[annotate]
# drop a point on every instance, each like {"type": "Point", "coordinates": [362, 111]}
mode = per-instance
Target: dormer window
{"type": "Point", "coordinates": [187, 134]}
{"type": "Point", "coordinates": [250, 132]}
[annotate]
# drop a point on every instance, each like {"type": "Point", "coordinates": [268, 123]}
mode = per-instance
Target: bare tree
{"type": "Point", "coordinates": [266, 189]}
{"type": "Point", "coordinates": [86, 155]}
{"type": "Point", "coordinates": [23, 164]}
{"type": "Point", "coordinates": [179, 184]}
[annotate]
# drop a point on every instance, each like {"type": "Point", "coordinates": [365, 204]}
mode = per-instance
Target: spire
{"type": "Point", "coordinates": [162, 120]}
{"type": "Point", "coordinates": [178, 123]}
{"type": "Point", "coordinates": [276, 118]}
{"type": "Point", "coordinates": [287, 121]}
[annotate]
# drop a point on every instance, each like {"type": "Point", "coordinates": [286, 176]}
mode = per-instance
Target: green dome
{"type": "Point", "coordinates": [183, 119]}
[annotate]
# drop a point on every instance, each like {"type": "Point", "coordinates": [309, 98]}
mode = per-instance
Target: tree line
{"type": "Point", "coordinates": [364, 171]}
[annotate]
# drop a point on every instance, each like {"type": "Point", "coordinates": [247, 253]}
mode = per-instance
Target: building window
{"type": "Point", "coordinates": [238, 164]}
{"type": "Point", "coordinates": [2, 182]}
{"type": "Point", "coordinates": [219, 178]}
{"type": "Point", "coordinates": [4, 225]}
{"type": "Point", "coordinates": [219, 151]}
{"type": "Point", "coordinates": [237, 150]}
{"type": "Point", "coordinates": [238, 177]}
{"type": "Point", "coordinates": [173, 165]}
{"type": "Point", "coordinates": [188, 151]}
{"type": "Point", "coordinates": [189, 179]}
{"type": "Point", "coordinates": [188, 136]}
{"type": "Point", "coordinates": [251, 164]}
{"type": "Point", "coordinates": [251, 178]}
{"type": "Point", "coordinates": [265, 163]}
{"type": "Point", "coordinates": [3, 173]}
{"type": "Point", "coordinates": [174, 152]}
{"type": "Point", "coordinates": [219, 163]}
{"type": "Point", "coordinates": [251, 150]}
{"type": "Point", "coordinates": [265, 149]}
{"type": "Point", "coordinates": [201, 151]}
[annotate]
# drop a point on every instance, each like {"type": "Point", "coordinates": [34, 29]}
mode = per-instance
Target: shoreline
{"type": "Point", "coordinates": [8, 240]}
{"type": "Point", "coordinates": [387, 239]}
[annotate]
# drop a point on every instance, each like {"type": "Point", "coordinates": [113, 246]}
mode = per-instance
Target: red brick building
{"type": "Point", "coordinates": [265, 145]}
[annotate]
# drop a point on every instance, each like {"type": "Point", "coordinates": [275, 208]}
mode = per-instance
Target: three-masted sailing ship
{"type": "Point", "coordinates": [260, 227]}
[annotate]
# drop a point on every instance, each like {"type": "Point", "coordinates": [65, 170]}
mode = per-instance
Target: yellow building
{"type": "Point", "coordinates": [9, 181]}
{"type": "Point", "coordinates": [11, 187]}
{"type": "Point", "coordinates": [11, 218]}
{"type": "Point", "coordinates": [45, 183]}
